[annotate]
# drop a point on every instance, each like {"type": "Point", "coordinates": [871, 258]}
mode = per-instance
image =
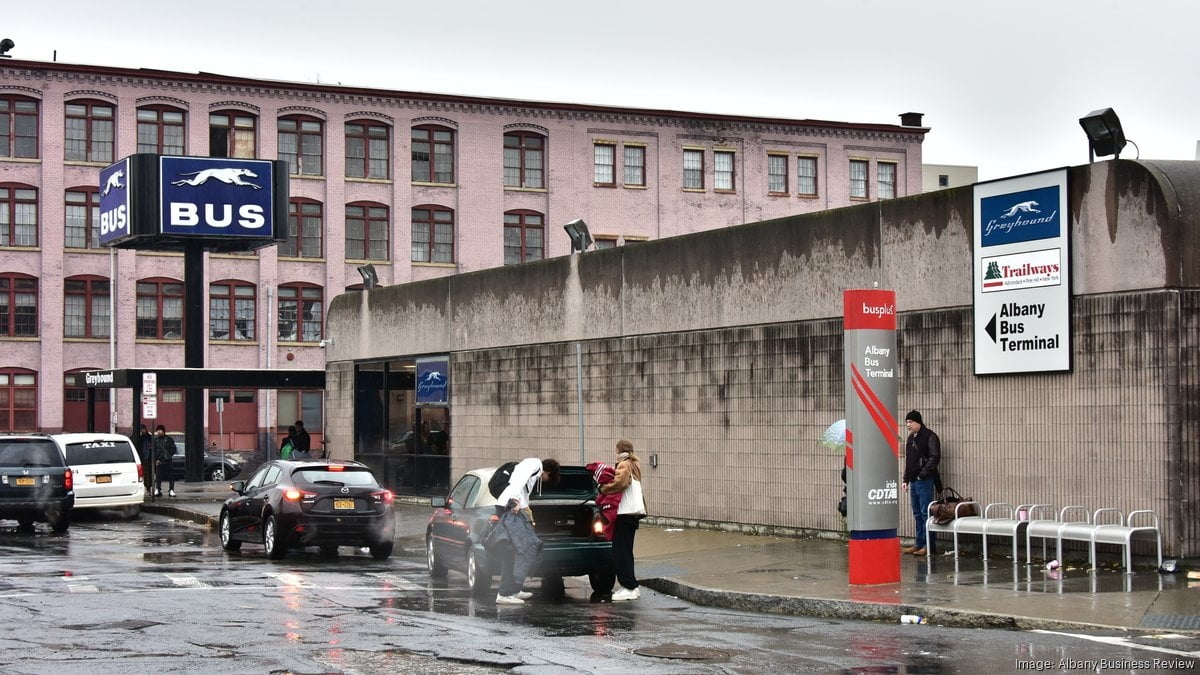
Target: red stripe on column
{"type": "Point", "coordinates": [879, 413]}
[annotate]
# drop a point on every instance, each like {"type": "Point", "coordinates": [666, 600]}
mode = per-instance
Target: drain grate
{"type": "Point", "coordinates": [684, 652]}
{"type": "Point", "coordinates": [1173, 621]}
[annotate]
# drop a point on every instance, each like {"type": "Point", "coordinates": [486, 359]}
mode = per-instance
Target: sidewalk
{"type": "Point", "coordinates": [809, 577]}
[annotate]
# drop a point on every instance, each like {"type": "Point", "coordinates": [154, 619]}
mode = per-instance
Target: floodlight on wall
{"type": "Point", "coordinates": [1104, 132]}
{"type": "Point", "coordinates": [370, 278]}
{"type": "Point", "coordinates": [577, 230]}
{"type": "Point", "coordinates": [6, 46]}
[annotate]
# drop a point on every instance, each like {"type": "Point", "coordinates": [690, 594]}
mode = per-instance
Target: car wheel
{"type": "Point", "coordinates": [478, 579]}
{"type": "Point", "coordinates": [25, 524]}
{"type": "Point", "coordinates": [217, 473]}
{"type": "Point", "coordinates": [602, 582]}
{"type": "Point", "coordinates": [131, 512]}
{"type": "Point", "coordinates": [227, 541]}
{"type": "Point", "coordinates": [381, 550]}
{"type": "Point", "coordinates": [329, 551]}
{"type": "Point", "coordinates": [271, 539]}
{"type": "Point", "coordinates": [552, 587]}
{"type": "Point", "coordinates": [59, 521]}
{"type": "Point", "coordinates": [436, 568]}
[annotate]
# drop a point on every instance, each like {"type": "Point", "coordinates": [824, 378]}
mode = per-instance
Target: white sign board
{"type": "Point", "coordinates": [1022, 262]}
{"type": "Point", "coordinates": [149, 384]}
{"type": "Point", "coordinates": [149, 407]}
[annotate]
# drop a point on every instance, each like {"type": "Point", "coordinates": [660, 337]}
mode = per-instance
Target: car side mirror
{"type": "Point", "coordinates": [437, 502]}
{"type": "Point", "coordinates": [238, 486]}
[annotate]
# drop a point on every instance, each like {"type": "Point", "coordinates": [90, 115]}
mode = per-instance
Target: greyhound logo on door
{"type": "Point", "coordinates": [216, 196]}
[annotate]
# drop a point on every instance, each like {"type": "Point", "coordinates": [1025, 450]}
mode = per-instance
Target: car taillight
{"type": "Point", "coordinates": [597, 526]}
{"type": "Point", "coordinates": [141, 473]}
{"type": "Point", "coordinates": [293, 495]}
{"type": "Point", "coordinates": [386, 496]}
{"type": "Point", "coordinates": [68, 480]}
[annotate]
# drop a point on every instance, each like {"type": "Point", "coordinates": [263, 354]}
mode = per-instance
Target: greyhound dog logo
{"type": "Point", "coordinates": [433, 377]}
{"type": "Point", "coordinates": [114, 182]}
{"type": "Point", "coordinates": [229, 176]}
{"type": "Point", "coordinates": [1027, 207]}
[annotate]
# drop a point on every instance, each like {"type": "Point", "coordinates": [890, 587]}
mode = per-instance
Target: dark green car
{"type": "Point", "coordinates": [565, 517]}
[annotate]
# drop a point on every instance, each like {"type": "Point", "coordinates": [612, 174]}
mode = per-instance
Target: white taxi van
{"type": "Point", "coordinates": [108, 471]}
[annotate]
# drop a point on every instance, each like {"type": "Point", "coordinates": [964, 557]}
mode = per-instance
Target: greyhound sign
{"type": "Point", "coordinates": [210, 196]}
{"type": "Point", "coordinates": [114, 201]}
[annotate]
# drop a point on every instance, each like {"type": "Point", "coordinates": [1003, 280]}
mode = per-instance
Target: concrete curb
{"type": "Point", "coordinates": [856, 610]}
{"type": "Point", "coordinates": [180, 513]}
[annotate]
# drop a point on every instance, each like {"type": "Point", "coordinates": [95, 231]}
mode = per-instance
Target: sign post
{"type": "Point", "coordinates": [872, 436]}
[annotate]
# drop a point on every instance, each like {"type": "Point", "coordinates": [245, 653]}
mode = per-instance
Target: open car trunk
{"type": "Point", "coordinates": [567, 509]}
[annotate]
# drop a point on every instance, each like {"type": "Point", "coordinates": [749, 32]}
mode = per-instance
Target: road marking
{"type": "Point", "coordinates": [79, 588]}
{"type": "Point", "coordinates": [397, 581]}
{"type": "Point", "coordinates": [186, 581]}
{"type": "Point", "coordinates": [290, 579]}
{"type": "Point", "coordinates": [1121, 642]}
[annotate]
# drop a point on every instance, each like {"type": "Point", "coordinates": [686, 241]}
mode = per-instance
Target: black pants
{"type": "Point", "coordinates": [624, 531]}
{"type": "Point", "coordinates": [164, 470]}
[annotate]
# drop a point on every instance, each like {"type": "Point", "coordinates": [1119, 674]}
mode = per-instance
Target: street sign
{"type": "Point", "coordinates": [1022, 287]}
{"type": "Point", "coordinates": [149, 407]}
{"type": "Point", "coordinates": [150, 384]}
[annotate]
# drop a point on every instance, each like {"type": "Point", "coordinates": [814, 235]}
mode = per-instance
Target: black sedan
{"type": "Point", "coordinates": [216, 467]}
{"type": "Point", "coordinates": [326, 503]}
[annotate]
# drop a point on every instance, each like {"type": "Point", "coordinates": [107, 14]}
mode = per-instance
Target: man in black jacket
{"type": "Point", "coordinates": [922, 453]}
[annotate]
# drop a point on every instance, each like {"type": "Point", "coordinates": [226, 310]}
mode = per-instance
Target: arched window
{"type": "Point", "coordinates": [18, 399]}
{"type": "Point", "coordinates": [368, 150]}
{"type": "Point", "coordinates": [301, 316]}
{"type": "Point", "coordinates": [82, 217]}
{"type": "Point", "coordinates": [432, 154]}
{"type": "Point", "coordinates": [232, 133]}
{"type": "Point", "coordinates": [75, 401]}
{"type": "Point", "coordinates": [18, 215]}
{"type": "Point", "coordinates": [18, 127]}
{"type": "Point", "coordinates": [89, 136]}
{"type": "Point", "coordinates": [305, 228]}
{"type": "Point", "coordinates": [367, 226]}
{"type": "Point", "coordinates": [432, 234]}
{"type": "Point", "coordinates": [18, 305]}
{"type": "Point", "coordinates": [524, 159]}
{"type": "Point", "coordinates": [86, 307]}
{"type": "Point", "coordinates": [160, 130]}
{"type": "Point", "coordinates": [301, 144]}
{"type": "Point", "coordinates": [231, 311]}
{"type": "Point", "coordinates": [160, 309]}
{"type": "Point", "coordinates": [524, 236]}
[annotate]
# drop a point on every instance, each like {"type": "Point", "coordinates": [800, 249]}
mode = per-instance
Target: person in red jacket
{"type": "Point", "coordinates": [607, 503]}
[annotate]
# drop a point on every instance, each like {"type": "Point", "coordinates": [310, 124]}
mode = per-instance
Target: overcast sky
{"type": "Point", "coordinates": [1002, 84]}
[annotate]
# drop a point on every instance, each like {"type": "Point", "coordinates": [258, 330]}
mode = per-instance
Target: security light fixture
{"type": "Point", "coordinates": [370, 279]}
{"type": "Point", "coordinates": [577, 230]}
{"type": "Point", "coordinates": [1104, 132]}
{"type": "Point", "coordinates": [6, 46]}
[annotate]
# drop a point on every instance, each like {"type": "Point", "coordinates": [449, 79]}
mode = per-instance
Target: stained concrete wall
{"type": "Point", "coordinates": [721, 353]}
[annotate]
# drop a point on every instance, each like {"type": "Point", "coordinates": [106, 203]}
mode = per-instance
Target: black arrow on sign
{"type": "Point", "coordinates": [991, 328]}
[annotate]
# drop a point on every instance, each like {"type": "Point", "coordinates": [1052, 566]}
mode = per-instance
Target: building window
{"type": "Point", "coordinates": [602, 242]}
{"type": "Point", "coordinates": [89, 132]}
{"type": "Point", "coordinates": [723, 171]}
{"type": "Point", "coordinates": [806, 176]}
{"type": "Point", "coordinates": [83, 218]}
{"type": "Point", "coordinates": [231, 311]}
{"type": "Point", "coordinates": [887, 180]}
{"type": "Point", "coordinates": [432, 154]}
{"type": "Point", "coordinates": [160, 130]}
{"type": "Point", "coordinates": [604, 171]}
{"type": "Point", "coordinates": [432, 234]}
{"type": "Point", "coordinates": [18, 127]}
{"type": "Point", "coordinates": [858, 179]}
{"type": "Point", "coordinates": [86, 307]}
{"type": "Point", "coordinates": [300, 317]}
{"type": "Point", "coordinates": [295, 405]}
{"type": "Point", "coordinates": [18, 400]}
{"type": "Point", "coordinates": [366, 231]}
{"type": "Point", "coordinates": [523, 237]}
{"type": "Point", "coordinates": [233, 134]}
{"type": "Point", "coordinates": [18, 215]}
{"type": "Point", "coordinates": [635, 165]}
{"type": "Point", "coordinates": [693, 169]}
{"type": "Point", "coordinates": [943, 180]}
{"type": "Point", "coordinates": [304, 235]}
{"type": "Point", "coordinates": [160, 309]}
{"type": "Point", "coordinates": [777, 174]}
{"type": "Point", "coordinates": [301, 143]}
{"type": "Point", "coordinates": [18, 305]}
{"type": "Point", "coordinates": [367, 150]}
{"type": "Point", "coordinates": [524, 159]}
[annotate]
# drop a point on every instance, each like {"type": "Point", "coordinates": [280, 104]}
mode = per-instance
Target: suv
{"type": "Point", "coordinates": [35, 482]}
{"type": "Point", "coordinates": [107, 471]}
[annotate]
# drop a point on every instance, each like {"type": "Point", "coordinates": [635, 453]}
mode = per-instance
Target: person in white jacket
{"type": "Point", "coordinates": [628, 482]}
{"type": "Point", "coordinates": [526, 476]}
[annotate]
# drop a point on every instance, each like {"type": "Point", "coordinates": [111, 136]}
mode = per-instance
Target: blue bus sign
{"type": "Point", "coordinates": [115, 214]}
{"type": "Point", "coordinates": [216, 197]}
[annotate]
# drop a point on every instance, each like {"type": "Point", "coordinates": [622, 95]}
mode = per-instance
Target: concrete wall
{"type": "Point", "coordinates": [721, 353]}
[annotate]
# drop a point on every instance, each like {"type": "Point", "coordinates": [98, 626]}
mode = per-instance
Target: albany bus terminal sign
{"type": "Point", "coordinates": [1022, 287]}
{"type": "Point", "coordinates": [167, 202]}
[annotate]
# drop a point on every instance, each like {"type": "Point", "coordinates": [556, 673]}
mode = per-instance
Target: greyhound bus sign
{"type": "Point", "coordinates": [114, 202]}
{"type": "Point", "coordinates": [216, 196]}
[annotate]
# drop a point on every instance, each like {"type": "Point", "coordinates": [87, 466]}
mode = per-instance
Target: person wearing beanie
{"type": "Point", "coordinates": [922, 453]}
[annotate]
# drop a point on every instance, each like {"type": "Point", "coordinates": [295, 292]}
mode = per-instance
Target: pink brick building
{"type": "Point", "coordinates": [419, 185]}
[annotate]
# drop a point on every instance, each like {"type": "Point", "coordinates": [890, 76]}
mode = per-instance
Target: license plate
{"type": "Point", "coordinates": [26, 481]}
{"type": "Point", "coordinates": [104, 479]}
{"type": "Point", "coordinates": [343, 504]}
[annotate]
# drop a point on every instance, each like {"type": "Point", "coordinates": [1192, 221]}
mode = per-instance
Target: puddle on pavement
{"type": "Point", "coordinates": [1035, 578]}
{"type": "Point", "coordinates": [591, 619]}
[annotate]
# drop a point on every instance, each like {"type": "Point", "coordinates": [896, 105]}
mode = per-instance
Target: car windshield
{"type": "Point", "coordinates": [99, 452]}
{"type": "Point", "coordinates": [348, 476]}
{"type": "Point", "coordinates": [28, 453]}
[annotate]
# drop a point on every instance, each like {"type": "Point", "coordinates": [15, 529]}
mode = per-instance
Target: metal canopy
{"type": "Point", "coordinates": [208, 378]}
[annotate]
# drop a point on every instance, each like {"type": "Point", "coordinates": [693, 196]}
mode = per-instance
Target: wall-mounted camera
{"type": "Point", "coordinates": [325, 343]}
